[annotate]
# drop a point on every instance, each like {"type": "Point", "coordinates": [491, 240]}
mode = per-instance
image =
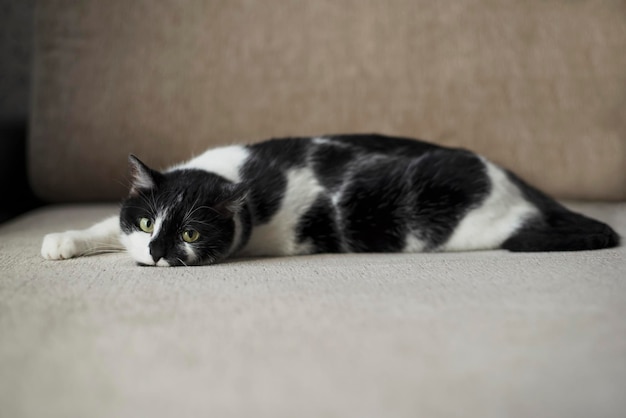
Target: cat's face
{"type": "Point", "coordinates": [183, 217]}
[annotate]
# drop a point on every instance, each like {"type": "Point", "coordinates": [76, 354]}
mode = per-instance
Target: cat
{"type": "Point", "coordinates": [331, 194]}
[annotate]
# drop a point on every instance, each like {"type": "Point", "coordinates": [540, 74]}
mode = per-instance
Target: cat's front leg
{"type": "Point", "coordinates": [101, 237]}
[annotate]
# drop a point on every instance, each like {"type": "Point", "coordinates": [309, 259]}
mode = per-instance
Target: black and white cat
{"type": "Point", "coordinates": [332, 194]}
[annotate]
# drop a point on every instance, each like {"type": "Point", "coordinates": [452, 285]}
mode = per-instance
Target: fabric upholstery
{"type": "Point", "coordinates": [487, 334]}
{"type": "Point", "coordinates": [538, 86]}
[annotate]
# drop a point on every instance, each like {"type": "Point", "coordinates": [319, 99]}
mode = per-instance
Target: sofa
{"type": "Point", "coordinates": [537, 86]}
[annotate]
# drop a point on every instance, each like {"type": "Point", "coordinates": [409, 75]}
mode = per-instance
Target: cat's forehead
{"type": "Point", "coordinates": [180, 198]}
{"type": "Point", "coordinates": [178, 192]}
{"type": "Point", "coordinates": [172, 201]}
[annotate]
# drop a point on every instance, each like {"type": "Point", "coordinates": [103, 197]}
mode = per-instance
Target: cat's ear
{"type": "Point", "coordinates": [142, 176]}
{"type": "Point", "coordinates": [231, 200]}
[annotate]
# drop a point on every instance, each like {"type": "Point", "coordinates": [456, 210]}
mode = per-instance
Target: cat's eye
{"type": "Point", "coordinates": [146, 225]}
{"type": "Point", "coordinates": [191, 235]}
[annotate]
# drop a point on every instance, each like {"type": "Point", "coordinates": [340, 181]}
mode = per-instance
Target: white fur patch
{"type": "Point", "coordinates": [101, 237]}
{"type": "Point", "coordinates": [163, 263]}
{"type": "Point", "coordinates": [321, 141]}
{"type": "Point", "coordinates": [499, 216]}
{"type": "Point", "coordinates": [158, 223]}
{"type": "Point", "coordinates": [412, 244]}
{"type": "Point", "coordinates": [278, 237]}
{"type": "Point", "coordinates": [224, 161]}
{"type": "Point", "coordinates": [191, 254]}
{"type": "Point", "coordinates": [137, 244]}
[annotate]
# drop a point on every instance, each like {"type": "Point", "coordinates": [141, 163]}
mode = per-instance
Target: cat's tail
{"type": "Point", "coordinates": [558, 228]}
{"type": "Point", "coordinates": [562, 231]}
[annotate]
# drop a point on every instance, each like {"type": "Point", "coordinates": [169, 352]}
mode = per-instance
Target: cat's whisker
{"type": "Point", "coordinates": [190, 214]}
{"type": "Point", "coordinates": [191, 210]}
{"type": "Point", "coordinates": [210, 228]}
{"type": "Point", "coordinates": [98, 251]}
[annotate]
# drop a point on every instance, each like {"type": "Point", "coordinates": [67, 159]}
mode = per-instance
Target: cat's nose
{"type": "Point", "coordinates": [157, 253]}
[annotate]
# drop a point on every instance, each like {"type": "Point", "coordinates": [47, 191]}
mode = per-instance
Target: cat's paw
{"type": "Point", "coordinates": [62, 245]}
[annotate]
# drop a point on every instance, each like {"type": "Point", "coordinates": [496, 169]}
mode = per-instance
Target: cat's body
{"type": "Point", "coordinates": [348, 193]}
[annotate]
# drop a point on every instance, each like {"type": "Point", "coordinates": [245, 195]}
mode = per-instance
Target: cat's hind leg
{"type": "Point", "coordinates": [99, 238]}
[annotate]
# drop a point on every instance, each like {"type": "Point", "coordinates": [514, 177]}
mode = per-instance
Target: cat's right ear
{"type": "Point", "coordinates": [142, 176]}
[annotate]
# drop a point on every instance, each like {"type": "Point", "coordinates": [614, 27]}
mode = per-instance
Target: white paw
{"type": "Point", "coordinates": [62, 245]}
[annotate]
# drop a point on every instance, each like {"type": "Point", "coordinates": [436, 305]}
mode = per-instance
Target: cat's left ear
{"type": "Point", "coordinates": [231, 200]}
{"type": "Point", "coordinates": [143, 177]}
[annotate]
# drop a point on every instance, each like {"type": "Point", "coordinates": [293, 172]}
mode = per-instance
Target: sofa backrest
{"type": "Point", "coordinates": [538, 86]}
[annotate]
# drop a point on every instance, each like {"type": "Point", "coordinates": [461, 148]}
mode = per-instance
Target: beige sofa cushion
{"type": "Point", "coordinates": [482, 335]}
{"type": "Point", "coordinates": [539, 86]}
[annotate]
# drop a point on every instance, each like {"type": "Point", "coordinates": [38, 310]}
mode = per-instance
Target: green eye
{"type": "Point", "coordinates": [146, 225]}
{"type": "Point", "coordinates": [191, 235]}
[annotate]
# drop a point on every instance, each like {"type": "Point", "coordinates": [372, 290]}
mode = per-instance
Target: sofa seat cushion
{"type": "Point", "coordinates": [486, 334]}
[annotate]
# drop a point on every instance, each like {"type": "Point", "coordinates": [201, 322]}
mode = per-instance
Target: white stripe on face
{"type": "Point", "coordinates": [158, 223]}
{"type": "Point", "coordinates": [191, 254]}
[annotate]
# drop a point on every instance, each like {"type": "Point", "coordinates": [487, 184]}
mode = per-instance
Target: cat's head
{"type": "Point", "coordinates": [179, 217]}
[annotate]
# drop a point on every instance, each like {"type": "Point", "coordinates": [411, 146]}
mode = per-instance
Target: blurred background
{"type": "Point", "coordinates": [537, 86]}
{"type": "Point", "coordinates": [16, 39]}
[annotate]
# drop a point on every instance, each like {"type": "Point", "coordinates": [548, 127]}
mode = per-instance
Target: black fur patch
{"type": "Point", "coordinates": [265, 173]}
{"type": "Point", "coordinates": [427, 196]}
{"type": "Point", "coordinates": [319, 225]}
{"type": "Point", "coordinates": [371, 207]}
{"type": "Point", "coordinates": [447, 184]}
{"type": "Point", "coordinates": [331, 162]}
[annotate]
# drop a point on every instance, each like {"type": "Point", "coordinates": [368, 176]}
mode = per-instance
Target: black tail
{"type": "Point", "coordinates": [558, 229]}
{"type": "Point", "coordinates": [563, 231]}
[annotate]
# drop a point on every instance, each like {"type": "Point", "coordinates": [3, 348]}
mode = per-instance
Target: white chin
{"type": "Point", "coordinates": [137, 244]}
{"type": "Point", "coordinates": [162, 263]}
